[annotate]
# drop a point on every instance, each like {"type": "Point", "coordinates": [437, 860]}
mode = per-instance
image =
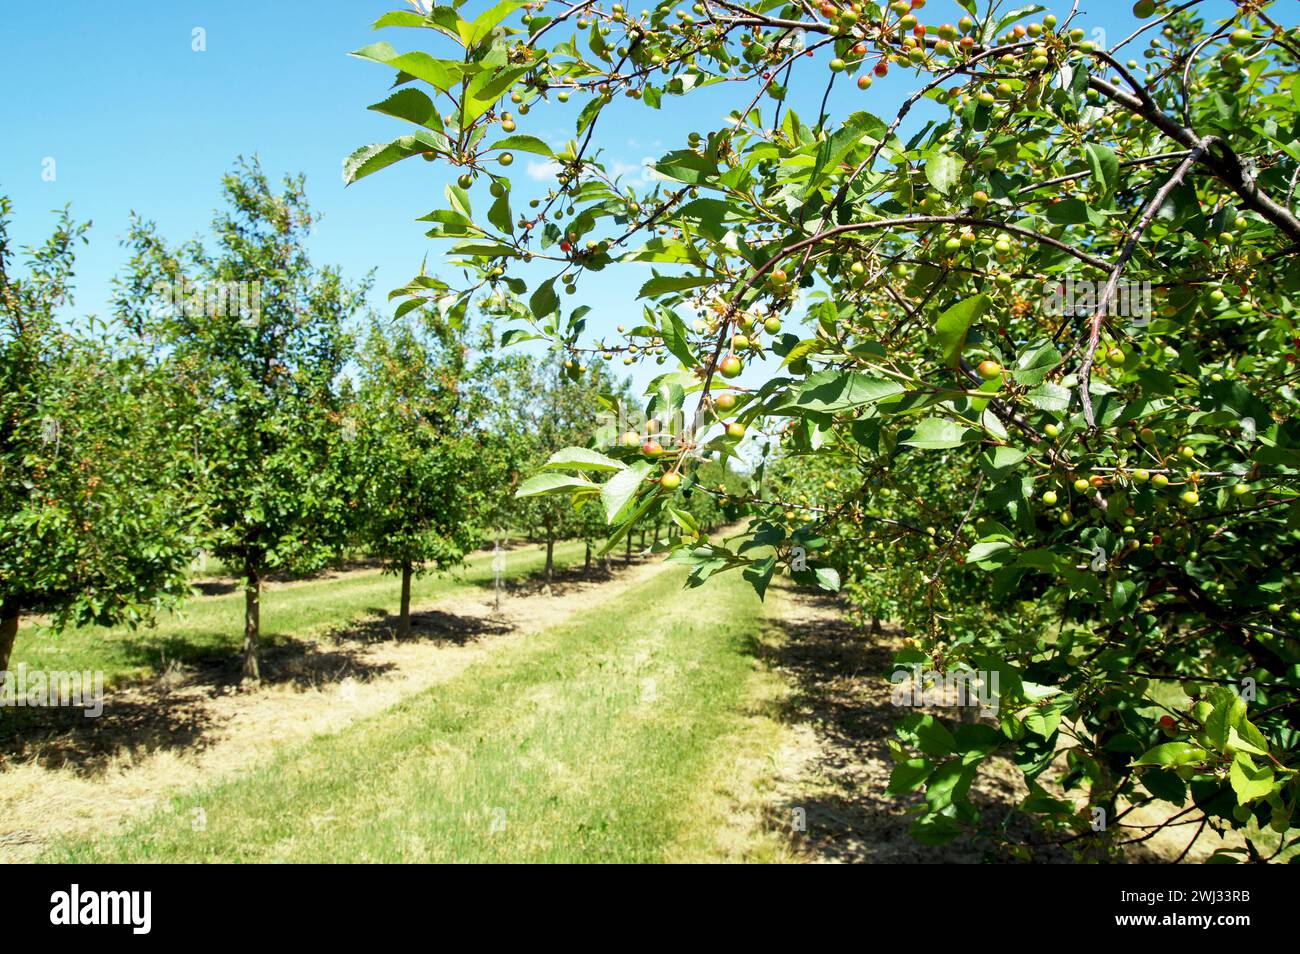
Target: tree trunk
{"type": "Point", "coordinates": [404, 613]}
{"type": "Point", "coordinates": [550, 553]}
{"type": "Point", "coordinates": [627, 558]}
{"type": "Point", "coordinates": [586, 568]}
{"type": "Point", "coordinates": [252, 623]}
{"type": "Point", "coordinates": [8, 634]}
{"type": "Point", "coordinates": [875, 625]}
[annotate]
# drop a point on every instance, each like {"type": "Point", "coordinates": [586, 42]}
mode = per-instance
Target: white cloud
{"type": "Point", "coordinates": [642, 172]}
{"type": "Point", "coordinates": [540, 170]}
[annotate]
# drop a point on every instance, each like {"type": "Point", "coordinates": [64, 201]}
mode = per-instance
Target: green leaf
{"type": "Point", "coordinates": [622, 488]}
{"type": "Point", "coordinates": [440, 74]}
{"type": "Point", "coordinates": [944, 171]}
{"type": "Point", "coordinates": [949, 784]}
{"type": "Point", "coordinates": [1105, 170]}
{"type": "Point", "coordinates": [1049, 397]}
{"type": "Point", "coordinates": [909, 776]}
{"type": "Point", "coordinates": [523, 143]}
{"type": "Point", "coordinates": [486, 88]}
{"type": "Point", "coordinates": [955, 322]}
{"type": "Point", "coordinates": [1035, 363]}
{"type": "Point", "coordinates": [997, 462]}
{"type": "Point", "coordinates": [541, 484]}
{"type": "Point", "coordinates": [857, 129]}
{"type": "Point", "coordinates": [516, 335]}
{"type": "Point", "coordinates": [936, 433]}
{"type": "Point", "coordinates": [828, 391]}
{"type": "Point", "coordinates": [412, 105]}
{"type": "Point", "coordinates": [759, 574]}
{"type": "Point", "coordinates": [662, 284]}
{"type": "Point", "coordinates": [372, 158]}
{"type": "Point", "coordinates": [933, 737]}
{"type": "Point", "coordinates": [981, 552]}
{"type": "Point", "coordinates": [1250, 783]}
{"type": "Point", "coordinates": [582, 458]}
{"type": "Point", "coordinates": [544, 301]}
{"type": "Point", "coordinates": [589, 113]}
{"type": "Point", "coordinates": [1238, 743]}
{"type": "Point", "coordinates": [1165, 784]}
{"type": "Point", "coordinates": [828, 578]}
{"type": "Point", "coordinates": [499, 214]}
{"type": "Point", "coordinates": [675, 338]}
{"type": "Point", "coordinates": [803, 349]}
{"type": "Point", "coordinates": [1070, 212]}
{"type": "Point", "coordinates": [488, 20]}
{"type": "Point", "coordinates": [402, 18]}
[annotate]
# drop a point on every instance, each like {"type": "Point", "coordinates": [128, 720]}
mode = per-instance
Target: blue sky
{"type": "Point", "coordinates": [134, 118]}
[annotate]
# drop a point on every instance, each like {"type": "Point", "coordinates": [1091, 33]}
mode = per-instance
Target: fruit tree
{"type": "Point", "coordinates": [1026, 338]}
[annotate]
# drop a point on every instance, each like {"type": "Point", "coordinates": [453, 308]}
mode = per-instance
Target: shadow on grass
{"type": "Point", "coordinates": [171, 709]}
{"type": "Point", "coordinates": [171, 712]}
{"type": "Point", "coordinates": [426, 626]}
{"type": "Point", "coordinates": [841, 706]}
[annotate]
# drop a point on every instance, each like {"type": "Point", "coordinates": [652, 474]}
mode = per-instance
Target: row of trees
{"type": "Point", "coordinates": [1044, 413]}
{"type": "Point", "coordinates": [244, 402]}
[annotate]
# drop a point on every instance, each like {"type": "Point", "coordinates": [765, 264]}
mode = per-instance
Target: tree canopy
{"type": "Point", "coordinates": [1029, 342]}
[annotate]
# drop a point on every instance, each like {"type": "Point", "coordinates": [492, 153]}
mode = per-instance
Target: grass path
{"type": "Point", "coordinates": [210, 628]}
{"type": "Point", "coordinates": [612, 736]}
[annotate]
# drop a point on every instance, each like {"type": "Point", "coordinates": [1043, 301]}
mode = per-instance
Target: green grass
{"type": "Point", "coordinates": [593, 741]}
{"type": "Point", "coordinates": [211, 627]}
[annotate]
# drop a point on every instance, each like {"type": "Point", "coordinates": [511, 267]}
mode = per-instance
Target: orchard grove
{"type": "Point", "coordinates": [280, 431]}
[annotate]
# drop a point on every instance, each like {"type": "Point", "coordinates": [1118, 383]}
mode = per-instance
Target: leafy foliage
{"type": "Point", "coordinates": [254, 334]}
{"type": "Point", "coordinates": [1094, 500]}
{"type": "Point", "coordinates": [97, 503]}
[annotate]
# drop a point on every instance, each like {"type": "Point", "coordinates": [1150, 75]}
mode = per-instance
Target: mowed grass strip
{"type": "Point", "coordinates": [211, 627]}
{"type": "Point", "coordinates": [587, 742]}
